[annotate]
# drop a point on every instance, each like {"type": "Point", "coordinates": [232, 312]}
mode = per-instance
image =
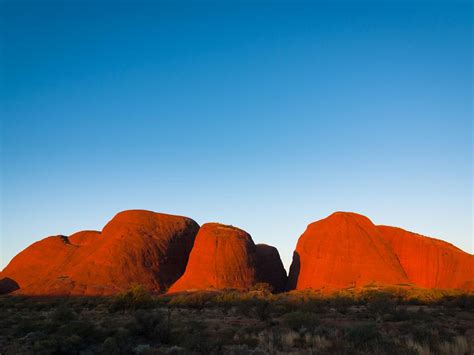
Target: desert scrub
{"type": "Point", "coordinates": [195, 337]}
{"type": "Point", "coordinates": [362, 334]}
{"type": "Point", "coordinates": [195, 300]}
{"type": "Point", "coordinates": [151, 325]}
{"type": "Point", "coordinates": [463, 301]}
{"type": "Point", "coordinates": [262, 287]}
{"type": "Point", "coordinates": [135, 297]}
{"type": "Point", "coordinates": [298, 320]}
{"type": "Point", "coordinates": [379, 303]}
{"type": "Point", "coordinates": [63, 314]}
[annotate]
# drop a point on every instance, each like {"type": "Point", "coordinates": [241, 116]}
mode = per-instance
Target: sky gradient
{"type": "Point", "coordinates": [264, 115]}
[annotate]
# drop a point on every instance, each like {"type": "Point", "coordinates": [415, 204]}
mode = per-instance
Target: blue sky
{"type": "Point", "coordinates": [264, 115]}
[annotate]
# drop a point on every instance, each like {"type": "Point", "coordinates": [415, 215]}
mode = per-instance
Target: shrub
{"type": "Point", "coordinates": [341, 302]}
{"type": "Point", "coordinates": [297, 320]}
{"type": "Point", "coordinates": [45, 346]}
{"type": "Point", "coordinates": [25, 326]}
{"type": "Point", "coordinates": [461, 301]}
{"type": "Point", "coordinates": [135, 297]}
{"type": "Point", "coordinates": [142, 349]}
{"type": "Point", "coordinates": [119, 343]}
{"type": "Point", "coordinates": [196, 300]}
{"type": "Point", "coordinates": [262, 287]}
{"type": "Point", "coordinates": [195, 337]}
{"type": "Point", "coordinates": [261, 307]}
{"type": "Point", "coordinates": [380, 303]}
{"type": "Point", "coordinates": [150, 325]}
{"type": "Point", "coordinates": [110, 346]}
{"type": "Point", "coordinates": [63, 314]}
{"type": "Point", "coordinates": [70, 344]}
{"type": "Point", "coordinates": [362, 334]}
{"type": "Point", "coordinates": [81, 328]}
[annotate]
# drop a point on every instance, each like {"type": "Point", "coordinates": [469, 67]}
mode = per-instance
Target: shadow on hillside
{"type": "Point", "coordinates": [294, 272]}
{"type": "Point", "coordinates": [8, 285]}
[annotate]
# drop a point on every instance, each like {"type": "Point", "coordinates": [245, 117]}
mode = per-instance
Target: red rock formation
{"type": "Point", "coordinates": [222, 257]}
{"type": "Point", "coordinates": [429, 262]}
{"type": "Point", "coordinates": [270, 268]}
{"type": "Point", "coordinates": [40, 261]}
{"type": "Point", "coordinates": [346, 250]}
{"type": "Point", "coordinates": [140, 247]}
{"type": "Point", "coordinates": [341, 251]}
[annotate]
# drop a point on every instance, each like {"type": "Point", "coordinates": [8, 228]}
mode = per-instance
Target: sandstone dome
{"type": "Point", "coordinates": [341, 251]}
{"type": "Point", "coordinates": [222, 257]}
{"type": "Point", "coordinates": [346, 250]}
{"type": "Point", "coordinates": [135, 247]}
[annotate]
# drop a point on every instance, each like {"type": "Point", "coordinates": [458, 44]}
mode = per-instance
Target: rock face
{"type": "Point", "coordinates": [135, 247]}
{"type": "Point", "coordinates": [164, 252]}
{"type": "Point", "coordinates": [343, 250]}
{"type": "Point", "coordinates": [270, 268]}
{"type": "Point", "coordinates": [222, 257]}
{"type": "Point", "coordinates": [429, 262]}
{"type": "Point", "coordinates": [346, 250]}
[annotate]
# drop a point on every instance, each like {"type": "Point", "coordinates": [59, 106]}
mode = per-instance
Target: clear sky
{"type": "Point", "coordinates": [264, 115]}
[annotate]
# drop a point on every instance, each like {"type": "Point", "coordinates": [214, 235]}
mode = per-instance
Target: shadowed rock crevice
{"type": "Point", "coordinates": [8, 285]}
{"type": "Point", "coordinates": [270, 268]}
{"type": "Point", "coordinates": [294, 272]}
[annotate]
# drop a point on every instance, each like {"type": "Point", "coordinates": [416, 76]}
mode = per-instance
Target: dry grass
{"type": "Point", "coordinates": [230, 322]}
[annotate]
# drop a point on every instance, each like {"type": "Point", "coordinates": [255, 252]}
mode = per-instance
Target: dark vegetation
{"type": "Point", "coordinates": [230, 322]}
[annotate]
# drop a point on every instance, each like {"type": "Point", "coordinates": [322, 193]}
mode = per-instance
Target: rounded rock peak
{"type": "Point", "coordinates": [266, 249]}
{"type": "Point", "coordinates": [270, 268]}
{"type": "Point", "coordinates": [339, 216]}
{"type": "Point", "coordinates": [218, 229]}
{"type": "Point", "coordinates": [141, 220]}
{"type": "Point", "coordinates": [223, 256]}
{"type": "Point", "coordinates": [343, 250]}
{"type": "Point", "coordinates": [84, 237]}
{"type": "Point", "coordinates": [142, 216]}
{"type": "Point", "coordinates": [343, 222]}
